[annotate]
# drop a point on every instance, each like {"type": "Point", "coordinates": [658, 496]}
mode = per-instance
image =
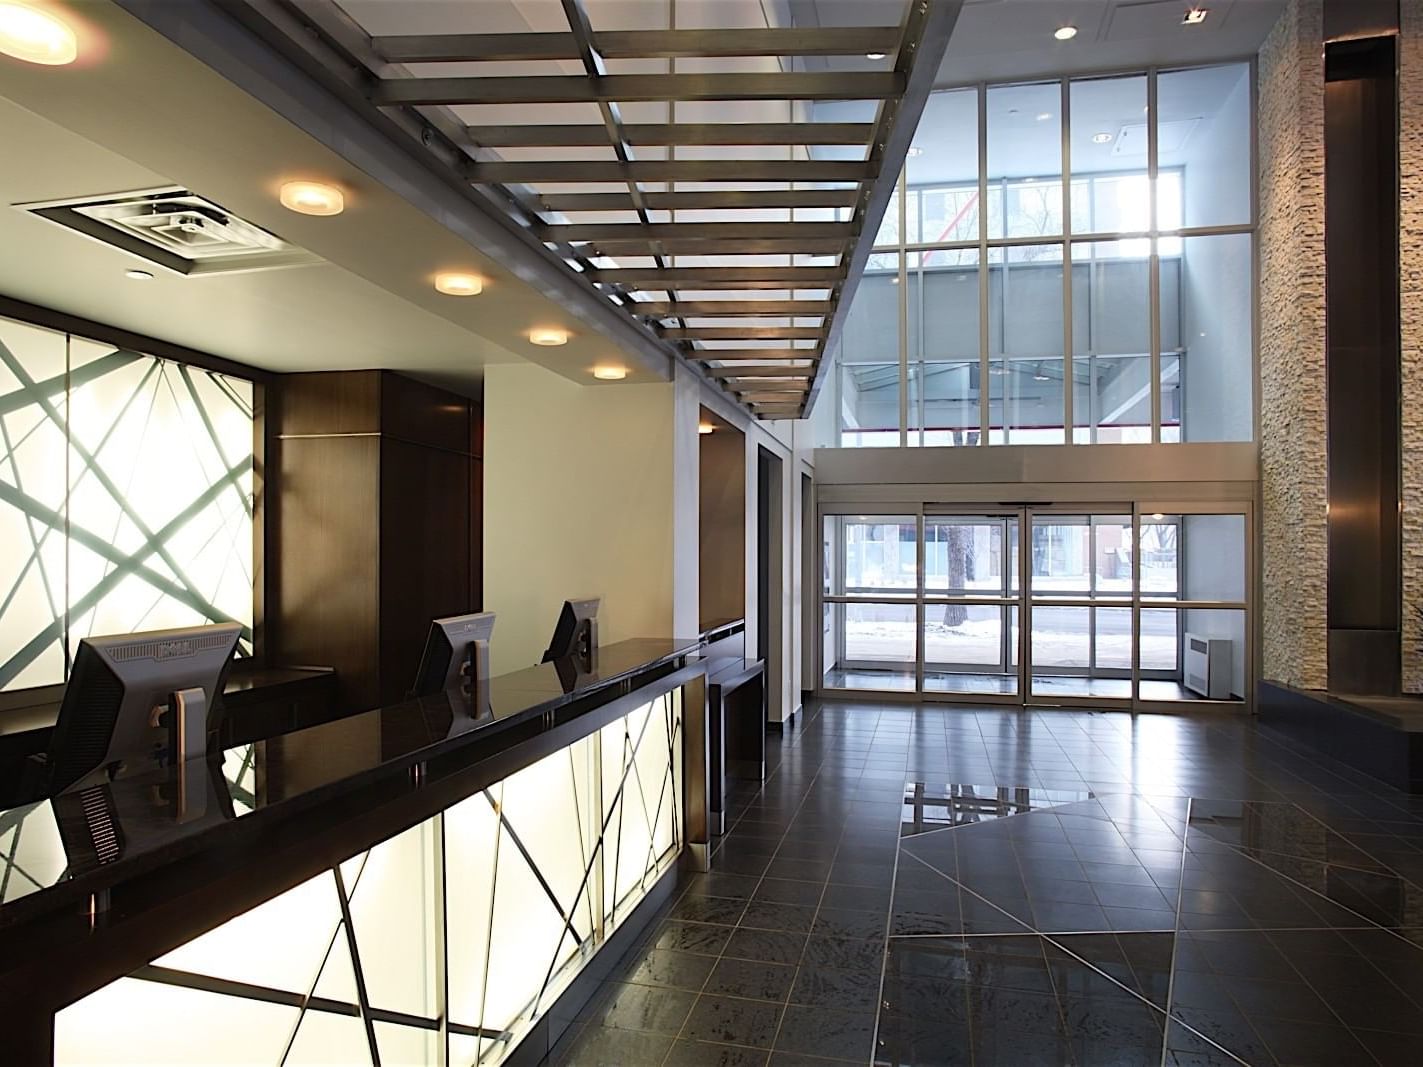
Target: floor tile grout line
{"type": "Point", "coordinates": [1085, 962]}
{"type": "Point", "coordinates": [1325, 1000]}
{"type": "Point", "coordinates": [759, 881]}
{"type": "Point", "coordinates": [1176, 935]}
{"type": "Point", "coordinates": [888, 928]}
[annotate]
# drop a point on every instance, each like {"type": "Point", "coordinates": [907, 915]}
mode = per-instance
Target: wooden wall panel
{"type": "Point", "coordinates": [426, 562]}
{"type": "Point", "coordinates": [375, 525]}
{"type": "Point", "coordinates": [324, 562]}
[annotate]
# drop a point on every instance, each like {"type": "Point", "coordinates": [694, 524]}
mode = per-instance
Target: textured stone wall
{"type": "Point", "coordinates": [1293, 458]}
{"type": "Point", "coordinates": [1410, 146]}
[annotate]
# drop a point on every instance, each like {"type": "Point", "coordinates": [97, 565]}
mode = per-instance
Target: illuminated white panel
{"type": "Point", "coordinates": [125, 497]}
{"type": "Point", "coordinates": [32, 855]}
{"type": "Point", "coordinates": [411, 1045]}
{"type": "Point", "coordinates": [393, 911]}
{"type": "Point", "coordinates": [504, 909]}
{"type": "Point", "coordinates": [279, 944]}
{"type": "Point", "coordinates": [150, 1024]}
{"type": "Point", "coordinates": [469, 886]}
{"type": "Point", "coordinates": [338, 976]}
{"type": "Point", "coordinates": [32, 453]}
{"type": "Point", "coordinates": [324, 1039]}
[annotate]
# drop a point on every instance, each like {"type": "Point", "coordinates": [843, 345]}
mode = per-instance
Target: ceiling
{"type": "Point", "coordinates": [140, 113]}
{"type": "Point", "coordinates": [661, 149]}
{"type": "Point", "coordinates": [317, 317]}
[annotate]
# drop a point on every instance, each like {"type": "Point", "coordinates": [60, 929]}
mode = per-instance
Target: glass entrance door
{"type": "Point", "coordinates": [1080, 579]}
{"type": "Point", "coordinates": [971, 604]}
{"type": "Point", "coordinates": [1111, 605]}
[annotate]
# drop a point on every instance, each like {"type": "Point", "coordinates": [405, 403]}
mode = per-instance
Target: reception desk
{"type": "Point", "coordinates": [422, 883]}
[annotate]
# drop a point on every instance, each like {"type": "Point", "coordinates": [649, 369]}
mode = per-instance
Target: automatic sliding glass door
{"type": "Point", "coordinates": [971, 602]}
{"type": "Point", "coordinates": [1080, 580]}
{"type": "Point", "coordinates": [1110, 605]}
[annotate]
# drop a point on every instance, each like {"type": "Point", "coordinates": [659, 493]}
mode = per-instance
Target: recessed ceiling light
{"type": "Point", "coordinates": [1195, 16]}
{"type": "Point", "coordinates": [1065, 33]}
{"type": "Point", "coordinates": [138, 275]}
{"type": "Point", "coordinates": [459, 284]}
{"type": "Point", "coordinates": [313, 198]}
{"type": "Point", "coordinates": [705, 428]}
{"type": "Point", "coordinates": [915, 151]}
{"type": "Point", "coordinates": [1101, 138]}
{"type": "Point", "coordinates": [874, 55]}
{"type": "Point", "coordinates": [549, 336]}
{"type": "Point", "coordinates": [610, 374]}
{"type": "Point", "coordinates": [1043, 116]}
{"type": "Point", "coordinates": [36, 36]}
{"type": "Point", "coordinates": [1157, 516]}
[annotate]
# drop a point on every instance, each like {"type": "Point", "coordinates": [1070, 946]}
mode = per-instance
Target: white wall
{"type": "Point", "coordinates": [580, 499]}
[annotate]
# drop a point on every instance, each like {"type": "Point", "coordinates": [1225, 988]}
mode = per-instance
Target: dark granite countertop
{"type": "Point", "coordinates": [166, 813]}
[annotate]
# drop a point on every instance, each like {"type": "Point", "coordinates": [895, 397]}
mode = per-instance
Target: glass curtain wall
{"type": "Point", "coordinates": [1065, 262]}
{"type": "Point", "coordinates": [1119, 602]}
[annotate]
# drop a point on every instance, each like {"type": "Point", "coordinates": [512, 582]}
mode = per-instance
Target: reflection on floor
{"type": "Point", "coordinates": [1210, 896]}
{"type": "Point", "coordinates": [1044, 686]}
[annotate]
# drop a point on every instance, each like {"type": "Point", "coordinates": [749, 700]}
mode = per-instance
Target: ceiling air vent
{"type": "Point", "coordinates": [176, 229]}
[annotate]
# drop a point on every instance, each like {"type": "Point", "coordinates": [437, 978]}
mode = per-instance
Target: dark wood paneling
{"type": "Point", "coordinates": [476, 430]}
{"type": "Point", "coordinates": [374, 535]}
{"type": "Point", "coordinates": [423, 414]}
{"type": "Point", "coordinates": [331, 402]}
{"type": "Point", "coordinates": [327, 546]}
{"type": "Point", "coordinates": [426, 559]}
{"type": "Point", "coordinates": [1361, 253]}
{"type": "Point", "coordinates": [476, 534]}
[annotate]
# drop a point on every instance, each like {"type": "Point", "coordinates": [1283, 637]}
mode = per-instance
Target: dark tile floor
{"type": "Point", "coordinates": [935, 886]}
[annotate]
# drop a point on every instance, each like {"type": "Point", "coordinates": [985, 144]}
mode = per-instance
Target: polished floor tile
{"type": "Point", "coordinates": [932, 886]}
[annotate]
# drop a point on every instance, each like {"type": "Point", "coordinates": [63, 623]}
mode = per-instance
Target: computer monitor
{"type": "Point", "coordinates": [576, 632]}
{"type": "Point", "coordinates": [456, 653]}
{"type": "Point", "coordinates": [135, 698]}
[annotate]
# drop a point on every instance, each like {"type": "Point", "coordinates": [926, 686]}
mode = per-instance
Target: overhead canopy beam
{"type": "Point", "coordinates": [672, 170]}
{"type": "Point", "coordinates": [659, 309]}
{"type": "Point", "coordinates": [706, 200]}
{"type": "Point", "coordinates": [742, 373]}
{"type": "Point", "coordinates": [694, 277]}
{"type": "Point", "coordinates": [642, 135]}
{"type": "Point", "coordinates": [744, 333]}
{"type": "Point", "coordinates": [577, 89]}
{"type": "Point", "coordinates": [754, 355]}
{"type": "Point", "coordinates": [637, 44]}
{"type": "Point", "coordinates": [692, 231]}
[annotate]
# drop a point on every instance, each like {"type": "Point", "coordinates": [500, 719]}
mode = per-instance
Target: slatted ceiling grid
{"type": "Point", "coordinates": [666, 149]}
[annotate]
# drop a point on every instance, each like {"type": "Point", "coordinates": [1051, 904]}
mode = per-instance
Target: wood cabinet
{"type": "Point", "coordinates": [374, 524]}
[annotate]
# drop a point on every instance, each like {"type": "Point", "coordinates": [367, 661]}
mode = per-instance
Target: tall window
{"type": "Point", "coordinates": [1091, 231]}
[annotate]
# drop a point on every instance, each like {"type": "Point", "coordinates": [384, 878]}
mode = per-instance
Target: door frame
{"type": "Point", "coordinates": [1024, 601]}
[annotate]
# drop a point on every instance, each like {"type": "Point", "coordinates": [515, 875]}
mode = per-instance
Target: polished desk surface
{"type": "Point", "coordinates": [167, 812]}
{"type": "Point", "coordinates": [242, 681]}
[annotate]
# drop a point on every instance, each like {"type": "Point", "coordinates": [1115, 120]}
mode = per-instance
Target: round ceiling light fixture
{"type": "Point", "coordinates": [610, 374]}
{"type": "Point", "coordinates": [35, 36]}
{"type": "Point", "coordinates": [454, 284]}
{"type": "Point", "coordinates": [1065, 33]}
{"type": "Point", "coordinates": [1102, 138]}
{"type": "Point", "coordinates": [549, 336]}
{"type": "Point", "coordinates": [313, 198]}
{"type": "Point", "coordinates": [875, 55]}
{"type": "Point", "coordinates": [139, 275]}
{"type": "Point", "coordinates": [705, 428]}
